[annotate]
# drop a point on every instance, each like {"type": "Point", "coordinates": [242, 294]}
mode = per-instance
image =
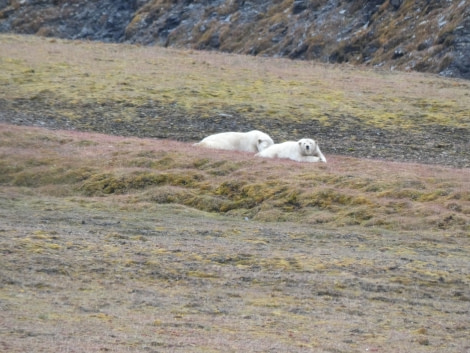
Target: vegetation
{"type": "Point", "coordinates": [185, 95]}
{"type": "Point", "coordinates": [344, 192]}
{"type": "Point", "coordinates": [127, 244]}
{"type": "Point", "coordinates": [203, 84]}
{"type": "Point", "coordinates": [133, 243]}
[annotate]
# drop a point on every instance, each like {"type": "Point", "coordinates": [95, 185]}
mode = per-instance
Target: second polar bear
{"type": "Point", "coordinates": [251, 141]}
{"type": "Point", "coordinates": [304, 150]}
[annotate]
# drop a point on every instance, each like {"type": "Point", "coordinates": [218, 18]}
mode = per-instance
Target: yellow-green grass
{"type": "Point", "coordinates": [68, 76]}
{"type": "Point", "coordinates": [344, 192]}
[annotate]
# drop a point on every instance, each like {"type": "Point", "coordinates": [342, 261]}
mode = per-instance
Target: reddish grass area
{"type": "Point", "coordinates": [344, 192]}
{"type": "Point", "coordinates": [100, 253]}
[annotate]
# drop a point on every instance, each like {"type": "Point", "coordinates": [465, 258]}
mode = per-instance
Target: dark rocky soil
{"type": "Point", "coordinates": [430, 145]}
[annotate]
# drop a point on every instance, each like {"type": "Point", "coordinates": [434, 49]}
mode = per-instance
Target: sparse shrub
{"type": "Point", "coordinates": [169, 194]}
{"type": "Point", "coordinates": [101, 184]}
{"type": "Point", "coordinates": [227, 8]}
{"type": "Point", "coordinates": [222, 167]}
{"type": "Point", "coordinates": [260, 192]}
{"type": "Point", "coordinates": [332, 199]}
{"type": "Point", "coordinates": [207, 203]}
{"type": "Point", "coordinates": [291, 202]}
{"type": "Point", "coordinates": [446, 37]}
{"type": "Point", "coordinates": [210, 38]}
{"type": "Point", "coordinates": [201, 163]}
{"type": "Point", "coordinates": [445, 62]}
{"type": "Point", "coordinates": [401, 194]}
{"type": "Point", "coordinates": [432, 196]}
{"type": "Point", "coordinates": [8, 171]}
{"type": "Point", "coordinates": [86, 143]}
{"type": "Point", "coordinates": [164, 162]}
{"type": "Point", "coordinates": [111, 184]}
{"type": "Point", "coordinates": [230, 189]}
{"type": "Point", "coordinates": [360, 214]}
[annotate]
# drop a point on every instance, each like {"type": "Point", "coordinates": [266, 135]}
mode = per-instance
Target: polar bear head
{"type": "Point", "coordinates": [263, 140]}
{"type": "Point", "coordinates": [263, 144]}
{"type": "Point", "coordinates": [309, 147]}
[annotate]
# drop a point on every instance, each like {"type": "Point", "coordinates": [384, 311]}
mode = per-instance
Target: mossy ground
{"type": "Point", "coordinates": [126, 244]}
{"type": "Point", "coordinates": [142, 244]}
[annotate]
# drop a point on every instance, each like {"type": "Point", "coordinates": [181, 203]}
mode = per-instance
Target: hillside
{"type": "Point", "coordinates": [185, 95]}
{"type": "Point", "coordinates": [142, 245]}
{"type": "Point", "coordinates": [427, 36]}
{"type": "Point", "coordinates": [118, 235]}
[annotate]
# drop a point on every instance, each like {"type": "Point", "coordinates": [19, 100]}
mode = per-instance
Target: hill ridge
{"type": "Point", "coordinates": [426, 36]}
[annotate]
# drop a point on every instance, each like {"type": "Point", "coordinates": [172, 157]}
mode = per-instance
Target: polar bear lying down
{"type": "Point", "coordinates": [252, 141]}
{"type": "Point", "coordinates": [304, 150]}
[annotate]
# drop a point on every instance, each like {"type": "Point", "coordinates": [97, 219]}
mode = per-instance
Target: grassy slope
{"type": "Point", "coordinates": [100, 253]}
{"type": "Point", "coordinates": [116, 244]}
{"type": "Point", "coordinates": [185, 95]}
{"type": "Point", "coordinates": [344, 192]}
{"type": "Point", "coordinates": [67, 75]}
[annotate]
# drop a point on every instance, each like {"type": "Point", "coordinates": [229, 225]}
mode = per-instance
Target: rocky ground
{"type": "Point", "coordinates": [431, 145]}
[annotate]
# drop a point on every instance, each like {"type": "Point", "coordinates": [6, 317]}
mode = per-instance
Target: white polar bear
{"type": "Point", "coordinates": [304, 150]}
{"type": "Point", "coordinates": [252, 141]}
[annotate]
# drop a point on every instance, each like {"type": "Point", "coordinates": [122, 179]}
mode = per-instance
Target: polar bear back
{"type": "Point", "coordinates": [252, 141]}
{"type": "Point", "coordinates": [281, 150]}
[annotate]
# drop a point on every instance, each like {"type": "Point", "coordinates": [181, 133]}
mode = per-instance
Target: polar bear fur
{"type": "Point", "coordinates": [252, 141]}
{"type": "Point", "coordinates": [304, 150]}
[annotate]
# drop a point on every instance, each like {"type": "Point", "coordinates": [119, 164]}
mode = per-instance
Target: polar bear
{"type": "Point", "coordinates": [304, 150]}
{"type": "Point", "coordinates": [251, 141]}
